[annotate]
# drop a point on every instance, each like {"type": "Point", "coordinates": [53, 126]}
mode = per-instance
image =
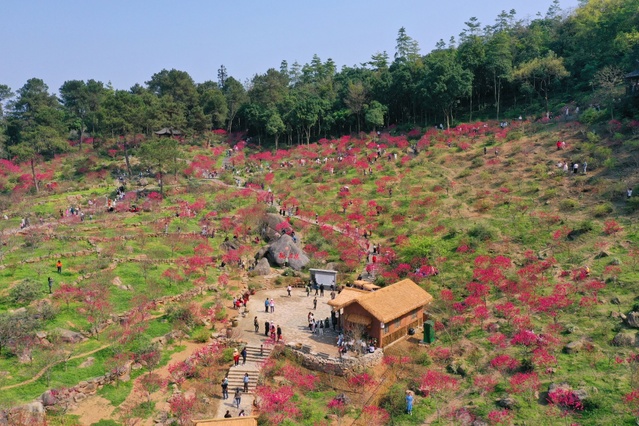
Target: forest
{"type": "Point", "coordinates": [503, 70]}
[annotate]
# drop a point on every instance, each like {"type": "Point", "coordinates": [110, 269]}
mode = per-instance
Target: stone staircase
{"type": "Point", "coordinates": [254, 358]}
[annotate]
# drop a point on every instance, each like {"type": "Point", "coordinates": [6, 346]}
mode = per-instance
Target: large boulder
{"type": "Point", "coordinates": [231, 244]}
{"type": "Point", "coordinates": [574, 347]}
{"type": "Point", "coordinates": [48, 398]}
{"type": "Point", "coordinates": [625, 338]}
{"type": "Point", "coordinates": [632, 319]}
{"type": "Point", "coordinates": [69, 336]}
{"type": "Point", "coordinates": [279, 249]}
{"type": "Point", "coordinates": [262, 267]}
{"type": "Point", "coordinates": [268, 227]}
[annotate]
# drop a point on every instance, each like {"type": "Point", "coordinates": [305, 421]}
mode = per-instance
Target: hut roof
{"type": "Point", "coordinates": [168, 131]}
{"type": "Point", "coordinates": [395, 300]}
{"type": "Point", "coordinates": [233, 421]}
{"type": "Point", "coordinates": [346, 297]}
{"type": "Point", "coordinates": [633, 74]}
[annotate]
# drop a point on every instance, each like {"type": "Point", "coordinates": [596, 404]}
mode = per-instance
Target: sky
{"type": "Point", "coordinates": [127, 41]}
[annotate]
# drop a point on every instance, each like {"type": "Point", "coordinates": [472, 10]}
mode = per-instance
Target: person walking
{"type": "Point", "coordinates": [267, 304]}
{"type": "Point", "coordinates": [267, 327]}
{"type": "Point", "coordinates": [279, 333]}
{"type": "Point", "coordinates": [288, 290]}
{"type": "Point", "coordinates": [256, 324]}
{"type": "Point", "coordinates": [50, 282]}
{"type": "Point", "coordinates": [236, 357]}
{"type": "Point", "coordinates": [59, 266]}
{"type": "Point", "coordinates": [272, 305]}
{"type": "Point", "coordinates": [238, 397]}
{"type": "Point", "coordinates": [245, 380]}
{"type": "Point", "coordinates": [315, 298]}
{"type": "Point", "coordinates": [308, 290]}
{"type": "Point", "coordinates": [225, 388]}
{"type": "Point", "coordinates": [244, 354]}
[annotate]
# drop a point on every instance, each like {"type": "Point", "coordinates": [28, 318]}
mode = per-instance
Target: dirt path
{"type": "Point", "coordinates": [96, 408]}
{"type": "Point", "coordinates": [44, 370]}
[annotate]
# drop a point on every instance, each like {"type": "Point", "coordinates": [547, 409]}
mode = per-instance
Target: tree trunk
{"type": "Point", "coordinates": [277, 138]}
{"type": "Point", "coordinates": [161, 183]}
{"type": "Point", "coordinates": [33, 174]}
{"type": "Point", "coordinates": [126, 157]}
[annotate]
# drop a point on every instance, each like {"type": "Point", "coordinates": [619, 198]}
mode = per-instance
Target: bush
{"type": "Point", "coordinates": [568, 204]}
{"type": "Point", "coordinates": [514, 135]}
{"type": "Point", "coordinates": [481, 232]}
{"type": "Point", "coordinates": [181, 313]}
{"type": "Point", "coordinates": [201, 335]}
{"type": "Point", "coordinates": [25, 292]}
{"type": "Point", "coordinates": [227, 356]}
{"type": "Point", "coordinates": [592, 116]}
{"type": "Point", "coordinates": [603, 209]}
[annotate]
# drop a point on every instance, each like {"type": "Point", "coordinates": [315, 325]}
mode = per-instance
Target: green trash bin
{"type": "Point", "coordinates": [429, 332]}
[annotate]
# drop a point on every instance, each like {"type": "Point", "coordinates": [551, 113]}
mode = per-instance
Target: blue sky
{"type": "Point", "coordinates": [127, 41]}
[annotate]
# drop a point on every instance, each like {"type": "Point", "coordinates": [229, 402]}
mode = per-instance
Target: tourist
{"type": "Point", "coordinates": [321, 328]}
{"type": "Point", "coordinates": [225, 388]}
{"type": "Point", "coordinates": [279, 333]}
{"type": "Point", "coordinates": [50, 282]}
{"type": "Point", "coordinates": [227, 415]}
{"type": "Point", "coordinates": [241, 414]}
{"type": "Point", "coordinates": [267, 327]}
{"type": "Point", "coordinates": [409, 402]}
{"type": "Point", "coordinates": [315, 298]}
{"type": "Point", "coordinates": [272, 305]}
{"type": "Point", "coordinates": [629, 193]}
{"type": "Point", "coordinates": [238, 397]}
{"type": "Point", "coordinates": [575, 168]}
{"type": "Point", "coordinates": [585, 166]}
{"type": "Point", "coordinates": [267, 304]}
{"type": "Point", "coordinates": [59, 264]}
{"type": "Point", "coordinates": [256, 324]}
{"type": "Point", "coordinates": [244, 354]}
{"type": "Point", "coordinates": [288, 290]}
{"type": "Point", "coordinates": [236, 357]}
{"type": "Point", "coordinates": [321, 289]}
{"type": "Point", "coordinates": [245, 380]}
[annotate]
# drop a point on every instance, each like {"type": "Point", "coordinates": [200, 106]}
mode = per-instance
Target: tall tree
{"type": "Point", "coordinates": [356, 100]}
{"type": "Point", "coordinates": [37, 120]}
{"type": "Point", "coordinates": [609, 86]}
{"type": "Point", "coordinates": [5, 94]}
{"type": "Point", "coordinates": [161, 155]}
{"type": "Point", "coordinates": [499, 64]}
{"type": "Point", "coordinates": [236, 96]}
{"type": "Point", "coordinates": [541, 73]}
{"type": "Point", "coordinates": [75, 98]}
{"type": "Point", "coordinates": [406, 48]}
{"type": "Point", "coordinates": [446, 82]}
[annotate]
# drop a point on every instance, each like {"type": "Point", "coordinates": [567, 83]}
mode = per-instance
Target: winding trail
{"type": "Point", "coordinates": [44, 370]}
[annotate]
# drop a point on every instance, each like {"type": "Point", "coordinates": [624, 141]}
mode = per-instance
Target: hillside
{"type": "Point", "coordinates": [536, 271]}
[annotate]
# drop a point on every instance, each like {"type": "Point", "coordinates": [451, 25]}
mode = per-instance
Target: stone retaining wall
{"type": "Point", "coordinates": [341, 366]}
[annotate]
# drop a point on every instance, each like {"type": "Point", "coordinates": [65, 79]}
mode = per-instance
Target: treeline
{"type": "Point", "coordinates": [500, 71]}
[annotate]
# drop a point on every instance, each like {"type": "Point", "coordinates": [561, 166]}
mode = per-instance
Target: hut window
{"type": "Point", "coordinates": [397, 323]}
{"type": "Point", "coordinates": [414, 315]}
{"type": "Point", "coordinates": [386, 328]}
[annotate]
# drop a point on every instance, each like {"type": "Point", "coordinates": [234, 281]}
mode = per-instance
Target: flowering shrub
{"type": "Point", "coordinates": [565, 399]}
